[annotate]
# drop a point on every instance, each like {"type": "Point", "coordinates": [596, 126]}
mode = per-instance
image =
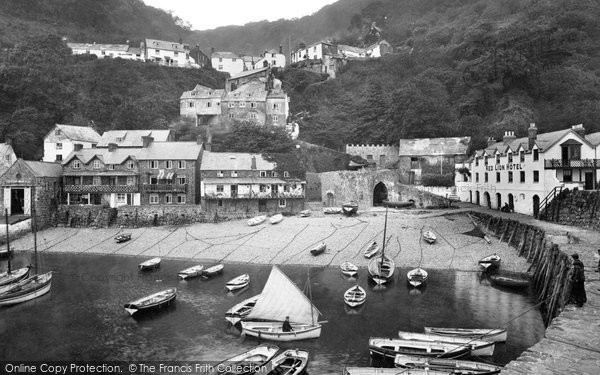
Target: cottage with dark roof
{"type": "Point", "coordinates": [61, 141]}
{"type": "Point", "coordinates": [123, 51]}
{"type": "Point", "coordinates": [167, 53]}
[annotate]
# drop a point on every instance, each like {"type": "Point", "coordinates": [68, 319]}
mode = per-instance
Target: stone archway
{"type": "Point", "coordinates": [486, 200]}
{"type": "Point", "coordinates": [477, 199]}
{"type": "Point", "coordinates": [498, 200]}
{"type": "Point", "coordinates": [536, 206]}
{"type": "Point", "coordinates": [330, 199]}
{"type": "Point", "coordinates": [380, 194]}
{"type": "Point", "coordinates": [511, 202]}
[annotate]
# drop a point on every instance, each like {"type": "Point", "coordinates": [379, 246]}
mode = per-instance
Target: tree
{"type": "Point", "coordinates": [249, 137]}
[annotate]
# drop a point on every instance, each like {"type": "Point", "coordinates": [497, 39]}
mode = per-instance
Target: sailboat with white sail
{"type": "Point", "coordinates": [281, 299]}
{"type": "Point", "coordinates": [381, 268]}
{"type": "Point", "coordinates": [11, 276]}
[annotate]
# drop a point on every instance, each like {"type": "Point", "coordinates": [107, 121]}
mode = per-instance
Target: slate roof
{"type": "Point", "coordinates": [202, 92]}
{"type": "Point", "coordinates": [44, 169]}
{"type": "Point", "coordinates": [155, 151]}
{"type": "Point", "coordinates": [243, 180]}
{"type": "Point", "coordinates": [434, 146]}
{"type": "Point", "coordinates": [165, 45]}
{"type": "Point", "coordinates": [5, 148]}
{"type": "Point", "coordinates": [593, 138]}
{"type": "Point", "coordinates": [224, 55]}
{"type": "Point", "coordinates": [104, 47]}
{"type": "Point", "coordinates": [543, 141]}
{"type": "Point", "coordinates": [78, 133]}
{"type": "Point", "coordinates": [248, 73]}
{"type": "Point", "coordinates": [132, 138]}
{"type": "Point", "coordinates": [233, 161]}
{"type": "Point", "coordinates": [253, 90]}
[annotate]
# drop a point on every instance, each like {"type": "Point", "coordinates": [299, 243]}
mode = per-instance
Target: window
{"type": "Point", "coordinates": [97, 164]}
{"type": "Point", "coordinates": [153, 180]}
{"type": "Point", "coordinates": [282, 203]}
{"type": "Point", "coordinates": [262, 188]}
{"type": "Point", "coordinates": [111, 167]}
{"type": "Point", "coordinates": [497, 159]}
{"type": "Point", "coordinates": [153, 164]}
{"type": "Point", "coordinates": [58, 157]}
{"type": "Point", "coordinates": [234, 174]}
{"type": "Point", "coordinates": [157, 51]}
{"type": "Point", "coordinates": [181, 180]}
{"type": "Point", "coordinates": [485, 175]}
{"type": "Point", "coordinates": [286, 174]}
{"type": "Point", "coordinates": [220, 59]}
{"type": "Point", "coordinates": [476, 177]}
{"type": "Point", "coordinates": [276, 106]}
{"type": "Point", "coordinates": [253, 105]}
{"type": "Point", "coordinates": [57, 132]}
{"type": "Point", "coordinates": [220, 203]}
{"type": "Point", "coordinates": [121, 198]}
{"type": "Point", "coordinates": [476, 162]}
{"type": "Point", "coordinates": [220, 174]}
{"type": "Point", "coordinates": [181, 199]}
{"type": "Point", "coordinates": [130, 164]}
{"type": "Point", "coordinates": [233, 60]}
{"type": "Point", "coordinates": [536, 176]}
{"type": "Point", "coordinates": [567, 175]}
{"type": "Point", "coordinates": [130, 180]}
{"type": "Point", "coordinates": [485, 160]}
{"type": "Point", "coordinates": [263, 173]}
{"type": "Point", "coordinates": [168, 199]}
{"type": "Point", "coordinates": [536, 155]}
{"type": "Point", "coordinates": [231, 105]}
{"type": "Point", "coordinates": [97, 180]}
{"type": "Point", "coordinates": [253, 116]}
{"type": "Point", "coordinates": [220, 67]}
{"type": "Point", "coordinates": [510, 176]}
{"type": "Point", "coordinates": [242, 104]}
{"type": "Point", "coordinates": [286, 188]}
{"type": "Point", "coordinates": [59, 146]}
{"type": "Point", "coordinates": [497, 176]}
{"type": "Point", "coordinates": [369, 157]}
{"type": "Point", "coordinates": [181, 164]}
{"type": "Point", "coordinates": [153, 198]}
{"type": "Point", "coordinates": [510, 158]}
{"type": "Point", "coordinates": [275, 119]}
{"type": "Point", "coordinates": [191, 104]}
{"type": "Point", "coordinates": [273, 174]}
{"type": "Point", "coordinates": [175, 53]}
{"type": "Point", "coordinates": [230, 115]}
{"type": "Point", "coordinates": [219, 188]}
{"type": "Point", "coordinates": [522, 176]}
{"type": "Point", "coordinates": [76, 164]}
{"type": "Point", "coordinates": [208, 104]}
{"type": "Point", "coordinates": [169, 164]}
{"type": "Point", "coordinates": [521, 157]}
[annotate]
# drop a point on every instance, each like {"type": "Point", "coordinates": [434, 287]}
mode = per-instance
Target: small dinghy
{"type": "Point", "coordinates": [349, 269]}
{"type": "Point", "coordinates": [429, 236]}
{"type": "Point", "coordinates": [390, 371]}
{"type": "Point", "coordinates": [479, 348]}
{"type": "Point", "coordinates": [152, 302]}
{"type": "Point", "coordinates": [150, 264]}
{"type": "Point", "coordinates": [381, 269]}
{"type": "Point", "coordinates": [417, 277]}
{"type": "Point", "coordinates": [14, 276]}
{"type": "Point", "coordinates": [450, 366]}
{"type": "Point", "coordinates": [509, 281]}
{"type": "Point", "coordinates": [319, 249]}
{"type": "Point", "coordinates": [371, 250]}
{"type": "Point", "coordinates": [290, 362]}
{"type": "Point", "coordinates": [355, 296]}
{"type": "Point", "coordinates": [388, 348]}
{"type": "Point", "coordinates": [257, 220]}
{"type": "Point", "coordinates": [123, 237]}
{"type": "Point", "coordinates": [251, 359]}
{"type": "Point", "coordinates": [239, 311]}
{"type": "Point", "coordinates": [191, 272]}
{"type": "Point", "coordinates": [350, 208]}
{"type": "Point", "coordinates": [332, 210]}
{"type": "Point", "coordinates": [212, 271]}
{"type": "Point", "coordinates": [305, 213]}
{"type": "Point", "coordinates": [276, 219]}
{"type": "Point", "coordinates": [238, 283]}
{"type": "Point", "coordinates": [487, 334]}
{"type": "Point", "coordinates": [490, 262]}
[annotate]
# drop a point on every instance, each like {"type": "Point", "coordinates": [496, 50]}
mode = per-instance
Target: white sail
{"type": "Point", "coordinates": [280, 298]}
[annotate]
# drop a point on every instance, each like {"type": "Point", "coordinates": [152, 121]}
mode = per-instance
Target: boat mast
{"type": "Point", "coordinates": [312, 315]}
{"type": "Point", "coordinates": [34, 229]}
{"type": "Point", "coordinates": [7, 240]}
{"type": "Point", "coordinates": [384, 234]}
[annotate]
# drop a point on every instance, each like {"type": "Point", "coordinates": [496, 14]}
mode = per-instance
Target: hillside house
{"type": "Point", "coordinates": [166, 53]}
{"type": "Point", "coordinates": [244, 77]}
{"type": "Point", "coordinates": [227, 62]}
{"type": "Point", "coordinates": [133, 138]}
{"type": "Point", "coordinates": [7, 156]}
{"type": "Point", "coordinates": [123, 51]}
{"type": "Point", "coordinates": [383, 156]}
{"type": "Point", "coordinates": [271, 58]}
{"type": "Point", "coordinates": [61, 141]}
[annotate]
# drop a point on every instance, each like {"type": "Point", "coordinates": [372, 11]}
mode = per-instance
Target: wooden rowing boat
{"type": "Point", "coordinates": [490, 262]}
{"type": "Point", "coordinates": [388, 348]}
{"type": "Point", "coordinates": [390, 371]}
{"type": "Point", "coordinates": [150, 264]}
{"type": "Point", "coordinates": [238, 283]}
{"type": "Point", "coordinates": [349, 269]}
{"type": "Point", "coordinates": [191, 272]}
{"type": "Point", "coordinates": [290, 362]}
{"type": "Point", "coordinates": [245, 363]}
{"type": "Point", "coordinates": [257, 220]}
{"type": "Point", "coordinates": [305, 213]}
{"type": "Point", "coordinates": [241, 310]}
{"type": "Point", "coordinates": [487, 334]}
{"type": "Point", "coordinates": [480, 348]}
{"type": "Point", "coordinates": [123, 237]}
{"type": "Point", "coordinates": [350, 208]}
{"type": "Point", "coordinates": [371, 250]}
{"type": "Point", "coordinates": [429, 236]}
{"type": "Point", "coordinates": [212, 271]}
{"type": "Point", "coordinates": [509, 281]}
{"type": "Point", "coordinates": [417, 277]}
{"type": "Point", "coordinates": [381, 269]}
{"type": "Point", "coordinates": [355, 296]}
{"type": "Point", "coordinates": [450, 366]}
{"type": "Point", "coordinates": [152, 302]}
{"type": "Point", "coordinates": [332, 210]}
{"type": "Point", "coordinates": [276, 219]}
{"type": "Point", "coordinates": [318, 249]}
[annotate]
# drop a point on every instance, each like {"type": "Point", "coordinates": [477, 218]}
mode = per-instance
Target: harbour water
{"type": "Point", "coordinates": [83, 318]}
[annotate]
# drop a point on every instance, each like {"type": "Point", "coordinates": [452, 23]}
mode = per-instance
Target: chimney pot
{"type": "Point", "coordinates": [253, 165]}
{"type": "Point", "coordinates": [531, 135]}
{"type": "Point", "coordinates": [491, 141]}
{"type": "Point", "coordinates": [579, 129]}
{"type": "Point", "coordinates": [508, 136]}
{"type": "Point", "coordinates": [281, 49]}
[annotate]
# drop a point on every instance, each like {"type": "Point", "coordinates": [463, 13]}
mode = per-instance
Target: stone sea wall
{"type": "Point", "coordinates": [578, 208]}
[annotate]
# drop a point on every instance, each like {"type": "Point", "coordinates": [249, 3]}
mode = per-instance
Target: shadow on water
{"type": "Point", "coordinates": [89, 291]}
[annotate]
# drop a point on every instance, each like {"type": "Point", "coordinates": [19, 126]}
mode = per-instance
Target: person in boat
{"type": "Point", "coordinates": [578, 296]}
{"type": "Point", "coordinates": [287, 327]}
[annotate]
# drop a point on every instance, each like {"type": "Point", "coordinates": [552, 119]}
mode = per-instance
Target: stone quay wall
{"type": "Point", "coordinates": [579, 208]}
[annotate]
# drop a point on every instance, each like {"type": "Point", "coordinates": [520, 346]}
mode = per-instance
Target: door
{"type": "Point", "coordinates": [589, 181]}
{"type": "Point", "coordinates": [274, 191]}
{"type": "Point", "coordinates": [17, 201]}
{"type": "Point", "coordinates": [262, 205]}
{"type": "Point", "coordinates": [536, 206]}
{"type": "Point", "coordinates": [234, 191]}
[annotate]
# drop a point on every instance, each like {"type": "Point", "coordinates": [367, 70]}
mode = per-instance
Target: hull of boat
{"type": "Point", "coordinates": [247, 362]}
{"type": "Point", "coordinates": [490, 262]}
{"type": "Point", "coordinates": [290, 362]}
{"type": "Point", "coordinates": [429, 237]}
{"type": "Point", "coordinates": [438, 364]}
{"type": "Point", "coordinates": [238, 283]}
{"type": "Point", "coordinates": [319, 249]}
{"type": "Point", "coordinates": [305, 213]}
{"type": "Point", "coordinates": [191, 272]}
{"type": "Point", "coordinates": [212, 271]}
{"type": "Point", "coordinates": [349, 209]}
{"type": "Point", "coordinates": [14, 277]}
{"type": "Point", "coordinates": [29, 290]}
{"type": "Point", "coordinates": [509, 282]}
{"type": "Point", "coordinates": [494, 335]}
{"type": "Point", "coordinates": [273, 331]}
{"type": "Point", "coordinates": [151, 264]}
{"type": "Point", "coordinates": [371, 250]}
{"type": "Point", "coordinates": [389, 348]}
{"type": "Point", "coordinates": [355, 296]}
{"type": "Point", "coordinates": [390, 371]}
{"type": "Point", "coordinates": [481, 348]}
{"type": "Point", "coordinates": [417, 277]}
{"type": "Point", "coordinates": [239, 311]}
{"type": "Point", "coordinates": [349, 269]}
{"type": "Point", "coordinates": [257, 220]}
{"type": "Point", "coordinates": [381, 273]}
{"type": "Point", "coordinates": [141, 306]}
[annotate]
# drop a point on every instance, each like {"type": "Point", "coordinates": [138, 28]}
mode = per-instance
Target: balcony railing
{"type": "Point", "coordinates": [572, 163]}
{"type": "Point", "coordinates": [254, 195]}
{"type": "Point", "coordinates": [165, 188]}
{"type": "Point", "coordinates": [101, 188]}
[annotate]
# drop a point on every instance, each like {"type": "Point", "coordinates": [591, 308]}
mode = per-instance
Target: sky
{"type": "Point", "coordinates": [210, 14]}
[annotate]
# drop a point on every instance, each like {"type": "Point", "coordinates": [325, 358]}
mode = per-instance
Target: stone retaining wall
{"type": "Point", "coordinates": [579, 208]}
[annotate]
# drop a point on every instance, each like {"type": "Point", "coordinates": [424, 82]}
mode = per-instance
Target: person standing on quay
{"type": "Point", "coordinates": [577, 282]}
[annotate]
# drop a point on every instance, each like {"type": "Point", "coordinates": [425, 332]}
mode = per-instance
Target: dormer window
{"type": "Point", "coordinates": [234, 174]}
{"type": "Point", "coordinates": [263, 173]}
{"type": "Point", "coordinates": [498, 159]}
{"type": "Point", "coordinates": [57, 132]}
{"type": "Point", "coordinates": [252, 105]}
{"type": "Point", "coordinates": [476, 162]}
{"type": "Point", "coordinates": [286, 174]}
{"type": "Point", "coordinates": [510, 158]}
{"type": "Point", "coordinates": [220, 174]}
{"type": "Point", "coordinates": [273, 174]}
{"type": "Point", "coordinates": [97, 164]}
{"type": "Point", "coordinates": [130, 164]}
{"type": "Point", "coordinates": [242, 104]}
{"type": "Point", "coordinates": [119, 139]}
{"type": "Point", "coordinates": [521, 156]}
{"type": "Point", "coordinates": [536, 155]}
{"type": "Point", "coordinates": [76, 164]}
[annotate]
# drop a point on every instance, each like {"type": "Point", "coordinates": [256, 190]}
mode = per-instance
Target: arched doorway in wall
{"type": "Point", "coordinates": [486, 200]}
{"type": "Point", "coordinates": [380, 194]}
{"type": "Point", "coordinates": [330, 199]}
{"type": "Point", "coordinates": [536, 206]}
{"type": "Point", "coordinates": [471, 196]}
{"type": "Point", "coordinates": [498, 200]}
{"type": "Point", "coordinates": [477, 200]}
{"type": "Point", "coordinates": [511, 202]}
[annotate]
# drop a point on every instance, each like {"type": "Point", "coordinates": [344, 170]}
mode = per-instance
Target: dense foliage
{"type": "Point", "coordinates": [249, 137]}
{"type": "Point", "coordinates": [42, 84]}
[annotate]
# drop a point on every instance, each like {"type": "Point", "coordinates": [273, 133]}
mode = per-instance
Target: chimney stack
{"type": "Point", "coordinates": [253, 165]}
{"type": "Point", "coordinates": [532, 134]}
{"type": "Point", "coordinates": [112, 147]}
{"type": "Point", "coordinates": [146, 141]}
{"type": "Point", "coordinates": [509, 136]}
{"type": "Point", "coordinates": [281, 49]}
{"type": "Point", "coordinates": [212, 50]}
{"type": "Point", "coordinates": [579, 129]}
{"type": "Point", "coordinates": [77, 147]}
{"type": "Point", "coordinates": [490, 141]}
{"type": "Point", "coordinates": [8, 141]}
{"type": "Point", "coordinates": [199, 140]}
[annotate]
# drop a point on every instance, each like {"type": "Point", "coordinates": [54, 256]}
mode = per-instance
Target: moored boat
{"type": "Point", "coordinates": [150, 264]}
{"type": "Point", "coordinates": [290, 362]}
{"type": "Point", "coordinates": [487, 334]}
{"type": "Point", "coordinates": [257, 220]}
{"type": "Point", "coordinates": [122, 237]}
{"type": "Point", "coordinates": [241, 310]}
{"type": "Point", "coordinates": [490, 262]}
{"type": "Point", "coordinates": [332, 210]}
{"type": "Point", "coordinates": [276, 219]}
{"type": "Point", "coordinates": [11, 276]}
{"type": "Point", "coordinates": [479, 348]}
{"type": "Point", "coordinates": [212, 271]}
{"type": "Point", "coordinates": [191, 272]}
{"type": "Point", "coordinates": [389, 347]}
{"type": "Point", "coordinates": [390, 371]}
{"type": "Point", "coordinates": [152, 302]}
{"type": "Point", "coordinates": [509, 281]}
{"type": "Point", "coordinates": [26, 289]}
{"type": "Point", "coordinates": [318, 249]}
{"type": "Point", "coordinates": [429, 236]}
{"type": "Point", "coordinates": [355, 296]}
{"type": "Point", "coordinates": [381, 269]}
{"type": "Point", "coordinates": [350, 208]}
{"type": "Point", "coordinates": [450, 366]}
{"type": "Point", "coordinates": [349, 269]}
{"type": "Point", "coordinates": [238, 283]}
{"type": "Point", "coordinates": [248, 361]}
{"type": "Point", "coordinates": [372, 249]}
{"type": "Point", "coordinates": [305, 213]}
{"type": "Point", "coordinates": [417, 277]}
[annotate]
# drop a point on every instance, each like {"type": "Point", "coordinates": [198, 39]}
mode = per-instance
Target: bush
{"type": "Point", "coordinates": [446, 180]}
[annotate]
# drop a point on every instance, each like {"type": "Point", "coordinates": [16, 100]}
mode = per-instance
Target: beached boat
{"type": "Point", "coordinates": [246, 362]}
{"type": "Point", "coordinates": [349, 269]}
{"type": "Point", "coordinates": [509, 281]}
{"type": "Point", "coordinates": [276, 219]}
{"type": "Point", "coordinates": [257, 220]}
{"type": "Point", "coordinates": [487, 334]}
{"type": "Point", "coordinates": [417, 277]}
{"type": "Point", "coordinates": [371, 250]}
{"type": "Point", "coordinates": [239, 282]}
{"type": "Point", "coordinates": [350, 208]}
{"type": "Point", "coordinates": [480, 348]}
{"type": "Point", "coordinates": [191, 272]}
{"type": "Point", "coordinates": [241, 310]}
{"type": "Point", "coordinates": [388, 348]}
{"type": "Point", "coordinates": [381, 268]}
{"type": "Point", "coordinates": [290, 362]}
{"type": "Point", "coordinates": [390, 371]}
{"type": "Point", "coordinates": [122, 237]}
{"type": "Point", "coordinates": [450, 366]}
{"type": "Point", "coordinates": [332, 210]}
{"type": "Point", "coordinates": [11, 276]}
{"type": "Point", "coordinates": [279, 299]}
{"type": "Point", "coordinates": [429, 236]}
{"type": "Point", "coordinates": [398, 204]}
{"type": "Point", "coordinates": [150, 264]}
{"type": "Point", "coordinates": [152, 302]}
{"type": "Point", "coordinates": [355, 296]}
{"type": "Point", "coordinates": [318, 249]}
{"type": "Point", "coordinates": [212, 271]}
{"type": "Point", "coordinates": [490, 262]}
{"type": "Point", "coordinates": [305, 213]}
